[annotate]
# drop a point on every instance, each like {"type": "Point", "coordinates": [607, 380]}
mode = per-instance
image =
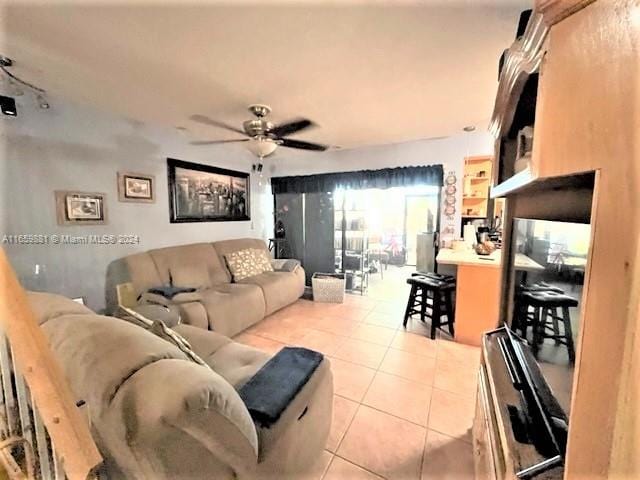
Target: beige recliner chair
{"type": "Point", "coordinates": [156, 414]}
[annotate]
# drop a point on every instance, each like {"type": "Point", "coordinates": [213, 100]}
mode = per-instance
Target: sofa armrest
{"type": "Point", "coordinates": [184, 420]}
{"type": "Point", "coordinates": [187, 297]}
{"type": "Point", "coordinates": [300, 435]}
{"type": "Point", "coordinates": [285, 264]}
{"type": "Point", "coordinates": [192, 311]}
{"type": "Point", "coordinates": [147, 297]}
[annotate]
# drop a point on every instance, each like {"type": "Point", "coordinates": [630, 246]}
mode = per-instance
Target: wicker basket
{"type": "Point", "coordinates": [328, 287]}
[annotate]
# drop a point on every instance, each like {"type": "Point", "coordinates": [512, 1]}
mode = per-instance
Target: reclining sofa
{"type": "Point", "coordinates": [220, 303]}
{"type": "Point", "coordinates": [156, 414]}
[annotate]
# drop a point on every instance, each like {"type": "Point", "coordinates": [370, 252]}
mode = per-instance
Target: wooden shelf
{"type": "Point", "coordinates": [513, 184]}
{"type": "Point", "coordinates": [478, 159]}
{"type": "Point", "coordinates": [471, 197]}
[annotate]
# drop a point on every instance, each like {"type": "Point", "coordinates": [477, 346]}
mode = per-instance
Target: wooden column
{"type": "Point", "coordinates": [588, 119]}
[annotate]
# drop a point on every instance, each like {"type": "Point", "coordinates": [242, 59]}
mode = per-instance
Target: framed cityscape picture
{"type": "Point", "coordinates": [80, 208]}
{"type": "Point", "coordinates": [136, 187]}
{"type": "Point", "coordinates": [202, 193]}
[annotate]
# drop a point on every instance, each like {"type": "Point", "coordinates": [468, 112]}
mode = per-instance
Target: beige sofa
{"type": "Point", "coordinates": [219, 304]}
{"type": "Point", "coordinates": [155, 414]}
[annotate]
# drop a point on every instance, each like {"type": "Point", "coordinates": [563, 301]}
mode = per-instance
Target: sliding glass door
{"type": "Point", "coordinates": [357, 223]}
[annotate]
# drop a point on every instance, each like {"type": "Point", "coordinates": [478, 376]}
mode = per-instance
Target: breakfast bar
{"type": "Point", "coordinates": [478, 288]}
{"type": "Point", "coordinates": [477, 291]}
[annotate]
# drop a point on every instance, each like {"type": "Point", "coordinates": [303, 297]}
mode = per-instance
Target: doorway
{"type": "Point", "coordinates": [382, 235]}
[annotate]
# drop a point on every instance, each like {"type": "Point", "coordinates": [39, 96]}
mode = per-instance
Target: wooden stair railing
{"type": "Point", "coordinates": [43, 434]}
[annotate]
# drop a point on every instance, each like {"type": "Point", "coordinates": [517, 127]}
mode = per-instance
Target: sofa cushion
{"type": "Point", "coordinates": [143, 272]}
{"type": "Point", "coordinates": [231, 308]}
{"type": "Point", "coordinates": [190, 275]}
{"type": "Point", "coordinates": [204, 342]}
{"type": "Point", "coordinates": [235, 362]}
{"type": "Point", "coordinates": [279, 288]}
{"type": "Point", "coordinates": [247, 263]}
{"type": "Point", "coordinates": [196, 265]}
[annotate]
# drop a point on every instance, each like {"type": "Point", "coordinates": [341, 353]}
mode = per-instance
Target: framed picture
{"type": "Point", "coordinates": [136, 187]}
{"type": "Point", "coordinates": [201, 193]}
{"type": "Point", "coordinates": [80, 208]}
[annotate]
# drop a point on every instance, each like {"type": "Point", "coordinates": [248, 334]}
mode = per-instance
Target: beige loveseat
{"type": "Point", "coordinates": [219, 304]}
{"type": "Point", "coordinates": [155, 414]}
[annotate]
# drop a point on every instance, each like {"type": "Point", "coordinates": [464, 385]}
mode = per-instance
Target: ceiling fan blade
{"type": "Point", "coordinates": [214, 142]}
{"type": "Point", "coordinates": [291, 127]}
{"type": "Point", "coordinates": [289, 143]}
{"type": "Point", "coordinates": [215, 123]}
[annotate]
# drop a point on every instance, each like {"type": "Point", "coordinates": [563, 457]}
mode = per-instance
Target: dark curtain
{"type": "Point", "coordinates": [384, 178]}
{"type": "Point", "coordinates": [308, 222]}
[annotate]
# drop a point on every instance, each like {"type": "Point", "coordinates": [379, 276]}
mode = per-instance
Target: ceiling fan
{"type": "Point", "coordinates": [263, 136]}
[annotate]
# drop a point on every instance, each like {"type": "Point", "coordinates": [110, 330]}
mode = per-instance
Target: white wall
{"type": "Point", "coordinates": [449, 152]}
{"type": "Point", "coordinates": [76, 148]}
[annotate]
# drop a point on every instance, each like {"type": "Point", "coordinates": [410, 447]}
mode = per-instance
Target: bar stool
{"type": "Point", "coordinates": [431, 292]}
{"type": "Point", "coordinates": [435, 276]}
{"type": "Point", "coordinates": [522, 317]}
{"type": "Point", "coordinates": [545, 310]}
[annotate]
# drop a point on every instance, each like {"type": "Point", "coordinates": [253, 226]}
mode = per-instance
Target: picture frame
{"type": "Point", "coordinates": [80, 208]}
{"type": "Point", "coordinates": [204, 193]}
{"type": "Point", "coordinates": [136, 187]}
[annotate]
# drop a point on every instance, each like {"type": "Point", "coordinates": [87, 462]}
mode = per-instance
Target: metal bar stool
{"type": "Point", "coordinates": [431, 296]}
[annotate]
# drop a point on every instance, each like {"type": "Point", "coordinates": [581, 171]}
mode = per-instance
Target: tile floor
{"type": "Point", "coordinates": [403, 403]}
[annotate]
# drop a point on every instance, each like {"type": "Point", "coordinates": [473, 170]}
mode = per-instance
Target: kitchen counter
{"type": "Point", "coordinates": [528, 264]}
{"type": "Point", "coordinates": [448, 256]}
{"type": "Point", "coordinates": [477, 292]}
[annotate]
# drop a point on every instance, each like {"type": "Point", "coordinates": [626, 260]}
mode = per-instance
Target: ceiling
{"type": "Point", "coordinates": [366, 73]}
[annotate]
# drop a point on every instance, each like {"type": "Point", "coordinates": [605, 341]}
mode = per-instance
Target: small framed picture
{"type": "Point", "coordinates": [136, 187]}
{"type": "Point", "coordinates": [80, 208]}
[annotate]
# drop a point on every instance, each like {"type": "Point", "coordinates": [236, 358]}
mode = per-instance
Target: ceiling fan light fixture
{"type": "Point", "coordinates": [262, 146]}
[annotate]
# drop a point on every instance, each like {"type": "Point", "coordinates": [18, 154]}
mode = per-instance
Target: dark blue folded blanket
{"type": "Point", "coordinates": [169, 291]}
{"type": "Point", "coordinates": [270, 391]}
